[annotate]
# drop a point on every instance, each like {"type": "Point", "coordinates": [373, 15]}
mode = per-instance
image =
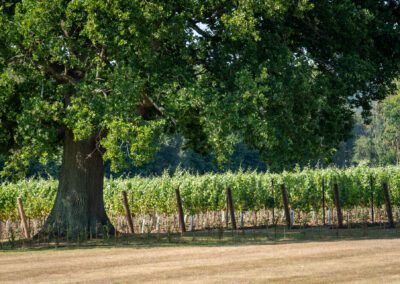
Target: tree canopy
{"type": "Point", "coordinates": [280, 75]}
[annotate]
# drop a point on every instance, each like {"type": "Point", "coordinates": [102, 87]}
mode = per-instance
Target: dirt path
{"type": "Point", "coordinates": [364, 261]}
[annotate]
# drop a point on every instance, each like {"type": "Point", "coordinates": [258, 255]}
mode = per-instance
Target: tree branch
{"type": "Point", "coordinates": [60, 77]}
{"type": "Point", "coordinates": [65, 32]}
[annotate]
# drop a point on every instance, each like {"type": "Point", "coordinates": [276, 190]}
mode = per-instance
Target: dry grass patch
{"type": "Point", "coordinates": [353, 261]}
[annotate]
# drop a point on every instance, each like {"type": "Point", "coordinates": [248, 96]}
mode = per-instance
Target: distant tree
{"type": "Point", "coordinates": [391, 133]}
{"type": "Point", "coordinates": [380, 142]}
{"type": "Point", "coordinates": [344, 155]}
{"type": "Point", "coordinates": [172, 155]}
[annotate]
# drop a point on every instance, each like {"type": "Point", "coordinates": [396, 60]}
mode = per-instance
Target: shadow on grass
{"type": "Point", "coordinates": [210, 238]}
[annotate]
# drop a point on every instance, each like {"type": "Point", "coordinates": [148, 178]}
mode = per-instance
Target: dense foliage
{"type": "Point", "coordinates": [200, 193]}
{"type": "Point", "coordinates": [278, 74]}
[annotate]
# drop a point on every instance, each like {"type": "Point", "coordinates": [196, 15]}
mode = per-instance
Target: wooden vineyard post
{"type": "Point", "coordinates": [388, 204]}
{"type": "Point", "coordinates": [372, 200]}
{"type": "Point", "coordinates": [23, 217]}
{"type": "Point", "coordinates": [227, 212]}
{"type": "Point", "coordinates": [286, 205]}
{"type": "Point", "coordinates": [180, 211]}
{"type": "Point", "coordinates": [127, 212]}
{"type": "Point", "coordinates": [323, 202]}
{"type": "Point", "coordinates": [337, 204]}
{"type": "Point", "coordinates": [229, 204]}
{"type": "Point", "coordinates": [273, 201]}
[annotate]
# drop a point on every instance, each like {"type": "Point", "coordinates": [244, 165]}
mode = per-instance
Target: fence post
{"type": "Point", "coordinates": [286, 205]}
{"type": "Point", "coordinates": [388, 204]}
{"type": "Point", "coordinates": [229, 204]}
{"type": "Point", "coordinates": [372, 199]}
{"type": "Point", "coordinates": [23, 217]}
{"type": "Point", "coordinates": [323, 202]}
{"type": "Point", "coordinates": [127, 212]}
{"type": "Point", "coordinates": [337, 204]}
{"type": "Point", "coordinates": [273, 201]}
{"type": "Point", "coordinates": [180, 211]}
{"type": "Point", "coordinates": [227, 212]}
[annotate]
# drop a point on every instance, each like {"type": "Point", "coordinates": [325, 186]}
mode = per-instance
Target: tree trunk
{"type": "Point", "coordinates": [78, 211]}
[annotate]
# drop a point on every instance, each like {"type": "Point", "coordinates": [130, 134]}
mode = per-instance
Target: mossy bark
{"type": "Point", "coordinates": [78, 210]}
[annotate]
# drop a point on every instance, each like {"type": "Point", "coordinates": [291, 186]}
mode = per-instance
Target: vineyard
{"type": "Point", "coordinates": [308, 190]}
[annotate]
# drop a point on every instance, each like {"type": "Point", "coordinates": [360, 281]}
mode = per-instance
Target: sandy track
{"type": "Point", "coordinates": [363, 261]}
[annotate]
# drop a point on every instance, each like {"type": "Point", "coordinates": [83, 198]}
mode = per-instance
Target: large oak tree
{"type": "Point", "coordinates": [106, 80]}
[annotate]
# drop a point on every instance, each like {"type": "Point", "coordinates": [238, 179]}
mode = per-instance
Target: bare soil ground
{"type": "Point", "coordinates": [350, 261]}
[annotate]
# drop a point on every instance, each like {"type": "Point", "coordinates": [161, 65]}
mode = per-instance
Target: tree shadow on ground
{"type": "Point", "coordinates": [210, 238]}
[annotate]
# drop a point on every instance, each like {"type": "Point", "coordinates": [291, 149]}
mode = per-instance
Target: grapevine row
{"type": "Point", "coordinates": [201, 193]}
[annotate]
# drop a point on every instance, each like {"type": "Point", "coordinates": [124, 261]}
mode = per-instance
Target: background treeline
{"type": "Point", "coordinates": [375, 141]}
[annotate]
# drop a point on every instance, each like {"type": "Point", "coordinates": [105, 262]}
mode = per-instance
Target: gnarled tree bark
{"type": "Point", "coordinates": [79, 210]}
